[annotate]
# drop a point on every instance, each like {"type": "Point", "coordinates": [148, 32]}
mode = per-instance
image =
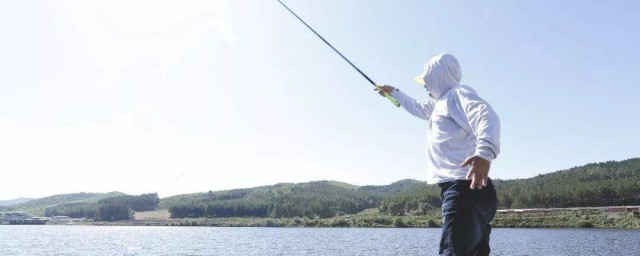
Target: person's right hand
{"type": "Point", "coordinates": [384, 88]}
{"type": "Point", "coordinates": [479, 172]}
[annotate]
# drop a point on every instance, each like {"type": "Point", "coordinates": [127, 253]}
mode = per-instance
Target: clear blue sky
{"type": "Point", "coordinates": [177, 97]}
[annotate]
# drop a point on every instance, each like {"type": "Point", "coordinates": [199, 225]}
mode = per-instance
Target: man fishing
{"type": "Point", "coordinates": [463, 139]}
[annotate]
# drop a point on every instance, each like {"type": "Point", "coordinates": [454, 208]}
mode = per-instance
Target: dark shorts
{"type": "Point", "coordinates": [466, 215]}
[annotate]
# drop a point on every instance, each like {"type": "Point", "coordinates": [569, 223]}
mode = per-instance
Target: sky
{"type": "Point", "coordinates": [189, 96]}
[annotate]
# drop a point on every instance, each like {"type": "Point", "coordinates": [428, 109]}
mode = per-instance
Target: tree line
{"type": "Point", "coordinates": [108, 209]}
{"type": "Point", "coordinates": [610, 183]}
{"type": "Point", "coordinates": [313, 199]}
{"type": "Point", "coordinates": [599, 184]}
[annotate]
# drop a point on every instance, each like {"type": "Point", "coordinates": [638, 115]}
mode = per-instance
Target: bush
{"type": "Point", "coordinates": [584, 224]}
{"type": "Point", "coordinates": [383, 220]}
{"type": "Point", "coordinates": [340, 223]}
{"type": "Point", "coordinates": [273, 223]}
{"type": "Point", "coordinates": [432, 224]}
{"type": "Point", "coordinates": [311, 223]}
{"type": "Point", "coordinates": [399, 223]}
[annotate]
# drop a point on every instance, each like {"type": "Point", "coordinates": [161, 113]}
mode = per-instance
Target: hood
{"type": "Point", "coordinates": [440, 74]}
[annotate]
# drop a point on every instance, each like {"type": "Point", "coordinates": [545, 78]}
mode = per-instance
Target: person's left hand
{"type": "Point", "coordinates": [479, 172]}
{"type": "Point", "coordinates": [381, 89]}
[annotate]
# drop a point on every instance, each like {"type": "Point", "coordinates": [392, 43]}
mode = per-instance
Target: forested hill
{"type": "Point", "coordinates": [318, 198]}
{"type": "Point", "coordinates": [37, 206]}
{"type": "Point", "coordinates": [599, 184]}
{"type": "Point", "coordinates": [99, 206]}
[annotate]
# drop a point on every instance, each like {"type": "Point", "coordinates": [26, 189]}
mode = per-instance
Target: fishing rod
{"type": "Point", "coordinates": [378, 87]}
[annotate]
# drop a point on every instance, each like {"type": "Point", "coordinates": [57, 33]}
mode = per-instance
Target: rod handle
{"type": "Point", "coordinates": [392, 99]}
{"type": "Point", "coordinates": [386, 95]}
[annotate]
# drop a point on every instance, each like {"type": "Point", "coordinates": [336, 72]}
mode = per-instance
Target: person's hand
{"type": "Point", "coordinates": [479, 172]}
{"type": "Point", "coordinates": [384, 88]}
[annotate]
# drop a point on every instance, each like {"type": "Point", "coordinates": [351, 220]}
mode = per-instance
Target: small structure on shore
{"type": "Point", "coordinates": [64, 220]}
{"type": "Point", "coordinates": [23, 218]}
{"type": "Point", "coordinates": [607, 210]}
{"type": "Point", "coordinates": [621, 209]}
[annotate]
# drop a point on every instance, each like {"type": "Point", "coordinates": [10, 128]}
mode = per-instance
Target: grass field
{"type": "Point", "coordinates": [152, 215]}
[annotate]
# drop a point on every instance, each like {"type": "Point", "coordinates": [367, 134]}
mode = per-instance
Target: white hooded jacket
{"type": "Point", "coordinates": [461, 124]}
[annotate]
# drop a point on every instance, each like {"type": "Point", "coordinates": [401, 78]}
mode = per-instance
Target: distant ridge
{"type": "Point", "coordinates": [14, 201]}
{"type": "Point", "coordinates": [37, 206]}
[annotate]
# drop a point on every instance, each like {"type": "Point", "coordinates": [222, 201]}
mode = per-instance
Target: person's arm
{"type": "Point", "coordinates": [485, 125]}
{"type": "Point", "coordinates": [420, 109]}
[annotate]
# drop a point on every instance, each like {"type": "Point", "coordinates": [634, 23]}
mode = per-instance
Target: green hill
{"type": "Point", "coordinates": [101, 206]}
{"type": "Point", "coordinates": [37, 206]}
{"type": "Point", "coordinates": [262, 192]}
{"type": "Point", "coordinates": [311, 199]}
{"type": "Point", "coordinates": [317, 198]}
{"type": "Point", "coordinates": [598, 184]}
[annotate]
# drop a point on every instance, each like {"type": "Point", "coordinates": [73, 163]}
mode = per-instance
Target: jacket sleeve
{"type": "Point", "coordinates": [483, 121]}
{"type": "Point", "coordinates": [421, 109]}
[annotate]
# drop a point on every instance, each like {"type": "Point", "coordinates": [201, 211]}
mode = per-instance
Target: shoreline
{"type": "Point", "coordinates": [372, 218]}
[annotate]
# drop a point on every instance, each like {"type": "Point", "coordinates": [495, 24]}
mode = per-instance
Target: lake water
{"type": "Point", "coordinates": [100, 240]}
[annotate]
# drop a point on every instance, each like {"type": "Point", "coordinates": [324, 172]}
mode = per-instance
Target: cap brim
{"type": "Point", "coordinates": [420, 78]}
